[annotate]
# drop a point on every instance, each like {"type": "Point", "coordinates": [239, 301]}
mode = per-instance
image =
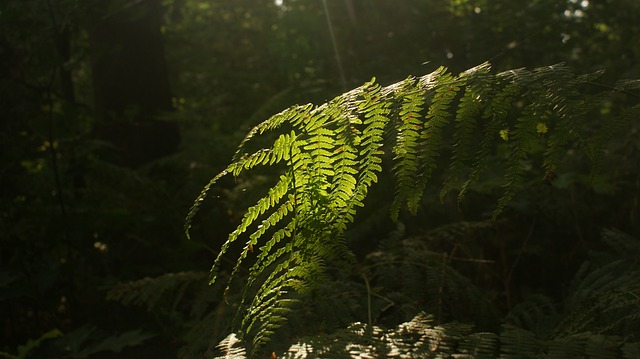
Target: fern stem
{"type": "Point", "coordinates": [366, 282]}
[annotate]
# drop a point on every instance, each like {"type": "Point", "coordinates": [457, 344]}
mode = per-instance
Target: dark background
{"type": "Point", "coordinates": [114, 115]}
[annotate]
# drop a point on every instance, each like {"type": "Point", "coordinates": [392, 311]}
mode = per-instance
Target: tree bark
{"type": "Point", "coordinates": [130, 81]}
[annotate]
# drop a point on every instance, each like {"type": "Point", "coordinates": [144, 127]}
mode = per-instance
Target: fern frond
{"type": "Point", "coordinates": [149, 292]}
{"type": "Point", "coordinates": [605, 293]}
{"type": "Point", "coordinates": [523, 135]}
{"type": "Point", "coordinates": [407, 141]}
{"type": "Point", "coordinates": [478, 81]}
{"type": "Point", "coordinates": [409, 271]}
{"type": "Point", "coordinates": [230, 349]}
{"type": "Point", "coordinates": [506, 89]}
{"type": "Point", "coordinates": [569, 109]}
{"type": "Point", "coordinates": [624, 245]}
{"type": "Point", "coordinates": [536, 313]}
{"type": "Point", "coordinates": [290, 115]}
{"type": "Point", "coordinates": [438, 116]}
{"type": "Point", "coordinates": [518, 343]}
{"type": "Point", "coordinates": [331, 155]}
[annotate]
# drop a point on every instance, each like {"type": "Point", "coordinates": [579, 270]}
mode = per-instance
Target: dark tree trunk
{"type": "Point", "coordinates": [130, 80]}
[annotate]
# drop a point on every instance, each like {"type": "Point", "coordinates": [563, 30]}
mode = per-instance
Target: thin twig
{"type": "Point", "coordinates": [366, 282]}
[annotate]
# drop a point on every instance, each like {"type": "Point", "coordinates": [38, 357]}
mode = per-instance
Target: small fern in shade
{"type": "Point", "coordinates": [330, 156]}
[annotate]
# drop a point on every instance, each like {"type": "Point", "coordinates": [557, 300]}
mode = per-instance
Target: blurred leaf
{"type": "Point", "coordinates": [81, 343]}
{"type": "Point", "coordinates": [31, 344]}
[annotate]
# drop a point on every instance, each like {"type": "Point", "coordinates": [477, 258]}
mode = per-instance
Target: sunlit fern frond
{"type": "Point", "coordinates": [330, 155]}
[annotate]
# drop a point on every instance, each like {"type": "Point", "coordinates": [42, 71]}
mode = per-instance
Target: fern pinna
{"type": "Point", "coordinates": [331, 154]}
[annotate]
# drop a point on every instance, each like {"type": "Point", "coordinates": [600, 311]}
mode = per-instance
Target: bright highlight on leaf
{"type": "Point", "coordinates": [541, 128]}
{"type": "Point", "coordinates": [504, 134]}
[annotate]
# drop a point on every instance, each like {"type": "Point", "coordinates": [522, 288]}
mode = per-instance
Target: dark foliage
{"type": "Point", "coordinates": [115, 114]}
